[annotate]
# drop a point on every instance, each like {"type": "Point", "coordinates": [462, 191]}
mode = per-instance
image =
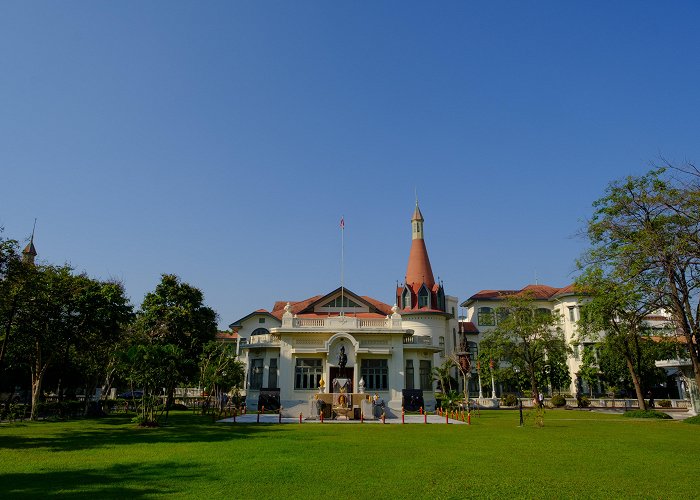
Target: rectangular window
{"type": "Point", "coordinates": [572, 314]}
{"type": "Point", "coordinates": [272, 376]}
{"type": "Point", "coordinates": [409, 374]}
{"type": "Point", "coordinates": [442, 346]}
{"type": "Point", "coordinates": [426, 379]}
{"type": "Point", "coordinates": [256, 373]}
{"type": "Point", "coordinates": [376, 374]}
{"type": "Point", "coordinates": [307, 373]}
{"type": "Point", "coordinates": [261, 320]}
{"type": "Point", "coordinates": [486, 318]}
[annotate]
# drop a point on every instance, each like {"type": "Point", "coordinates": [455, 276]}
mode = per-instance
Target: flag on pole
{"type": "Point", "coordinates": [342, 222]}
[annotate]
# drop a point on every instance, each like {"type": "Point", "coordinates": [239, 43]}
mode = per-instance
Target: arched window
{"type": "Point", "coordinates": [502, 314]}
{"type": "Point", "coordinates": [406, 298]}
{"type": "Point", "coordinates": [486, 317]}
{"type": "Point", "coordinates": [423, 297]}
{"type": "Point", "coordinates": [441, 299]}
{"type": "Point", "coordinates": [260, 331]}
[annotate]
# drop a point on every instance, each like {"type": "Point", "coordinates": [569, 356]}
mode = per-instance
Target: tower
{"type": "Point", "coordinates": [420, 291]}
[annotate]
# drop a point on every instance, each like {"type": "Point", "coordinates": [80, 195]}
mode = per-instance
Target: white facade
{"type": "Point", "coordinates": [273, 359]}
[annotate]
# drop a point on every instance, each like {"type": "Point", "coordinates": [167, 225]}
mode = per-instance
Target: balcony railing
{"type": "Point", "coordinates": [345, 322]}
{"type": "Point", "coordinates": [417, 340]}
{"type": "Point", "coordinates": [270, 339]}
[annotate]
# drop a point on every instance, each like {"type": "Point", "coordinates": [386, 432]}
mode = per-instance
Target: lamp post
{"type": "Point", "coordinates": [478, 371]}
{"type": "Point", "coordinates": [493, 383]}
{"type": "Point", "coordinates": [516, 370]}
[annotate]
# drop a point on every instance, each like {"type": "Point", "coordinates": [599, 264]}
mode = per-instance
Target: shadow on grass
{"type": "Point", "coordinates": [117, 481]}
{"type": "Point", "coordinates": [119, 431]}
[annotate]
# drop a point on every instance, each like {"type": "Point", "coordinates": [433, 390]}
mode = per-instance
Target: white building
{"type": "Point", "coordinates": [293, 351]}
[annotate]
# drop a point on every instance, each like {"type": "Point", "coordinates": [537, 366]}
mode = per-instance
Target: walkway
{"type": "Point", "coordinates": [252, 418]}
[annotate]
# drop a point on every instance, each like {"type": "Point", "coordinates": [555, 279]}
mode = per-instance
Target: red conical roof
{"type": "Point", "coordinates": [418, 270]}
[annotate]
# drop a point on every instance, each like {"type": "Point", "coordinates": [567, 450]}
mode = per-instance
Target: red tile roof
{"type": "Point", "coordinates": [538, 292]}
{"type": "Point", "coordinates": [467, 327]}
{"type": "Point", "coordinates": [226, 335]}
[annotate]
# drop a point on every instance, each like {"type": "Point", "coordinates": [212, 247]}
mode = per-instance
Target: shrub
{"type": "Point", "coordinates": [665, 403]}
{"type": "Point", "coordinates": [584, 402]}
{"type": "Point", "coordinates": [558, 401]}
{"type": "Point", "coordinates": [510, 400]}
{"type": "Point", "coordinates": [692, 420]}
{"type": "Point", "coordinates": [646, 414]}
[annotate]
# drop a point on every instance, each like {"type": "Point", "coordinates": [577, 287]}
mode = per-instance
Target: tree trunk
{"type": "Point", "coordinates": [533, 384]}
{"type": "Point", "coordinates": [635, 381]}
{"type": "Point", "coordinates": [37, 378]}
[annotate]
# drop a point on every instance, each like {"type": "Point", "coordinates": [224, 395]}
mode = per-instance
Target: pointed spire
{"type": "Point", "coordinates": [29, 252]}
{"type": "Point", "coordinates": [418, 270]}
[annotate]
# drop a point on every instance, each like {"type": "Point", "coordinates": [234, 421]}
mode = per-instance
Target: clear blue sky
{"type": "Point", "coordinates": [222, 141]}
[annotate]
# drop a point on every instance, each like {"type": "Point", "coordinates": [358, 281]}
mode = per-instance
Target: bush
{"type": "Point", "coordinates": [509, 400]}
{"type": "Point", "coordinates": [665, 403]}
{"type": "Point", "coordinates": [558, 401]}
{"type": "Point", "coordinates": [646, 414]}
{"type": "Point", "coordinates": [584, 402]}
{"type": "Point", "coordinates": [692, 420]}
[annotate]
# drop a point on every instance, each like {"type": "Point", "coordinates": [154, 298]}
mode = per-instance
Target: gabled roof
{"type": "Point", "coordinates": [259, 312]}
{"type": "Point", "coordinates": [305, 308]}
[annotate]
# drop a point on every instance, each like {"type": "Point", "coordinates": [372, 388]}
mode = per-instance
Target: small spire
{"type": "Point", "coordinates": [29, 251]}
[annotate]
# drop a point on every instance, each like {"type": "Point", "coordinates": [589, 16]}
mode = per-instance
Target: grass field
{"type": "Point", "coordinates": [576, 454]}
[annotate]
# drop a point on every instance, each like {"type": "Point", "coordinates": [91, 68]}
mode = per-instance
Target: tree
{"type": "Point", "coordinates": [442, 375]}
{"type": "Point", "coordinates": [219, 370]}
{"type": "Point", "coordinates": [63, 314]}
{"type": "Point", "coordinates": [152, 367]}
{"type": "Point", "coordinates": [175, 314]}
{"type": "Point", "coordinates": [615, 313]}
{"type": "Point", "coordinates": [589, 370]}
{"type": "Point", "coordinates": [525, 338]}
{"type": "Point", "coordinates": [649, 226]}
{"type": "Point", "coordinates": [13, 277]}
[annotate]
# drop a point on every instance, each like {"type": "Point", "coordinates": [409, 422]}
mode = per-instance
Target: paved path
{"type": "Point", "coordinates": [252, 418]}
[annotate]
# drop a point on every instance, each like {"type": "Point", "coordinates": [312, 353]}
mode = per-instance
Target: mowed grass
{"type": "Point", "coordinates": [575, 455]}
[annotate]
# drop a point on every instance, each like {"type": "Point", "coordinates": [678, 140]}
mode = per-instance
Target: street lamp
{"type": "Point", "coordinates": [520, 402]}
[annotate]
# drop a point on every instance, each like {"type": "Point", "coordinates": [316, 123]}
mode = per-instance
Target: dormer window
{"type": "Point", "coordinates": [441, 299]}
{"type": "Point", "coordinates": [406, 298]}
{"type": "Point", "coordinates": [423, 297]}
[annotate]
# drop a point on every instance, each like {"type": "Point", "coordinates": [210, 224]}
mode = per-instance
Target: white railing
{"type": "Point", "coordinates": [417, 339]}
{"type": "Point", "coordinates": [304, 322]}
{"type": "Point", "coordinates": [344, 322]}
{"type": "Point", "coordinates": [269, 338]}
{"type": "Point", "coordinates": [373, 323]}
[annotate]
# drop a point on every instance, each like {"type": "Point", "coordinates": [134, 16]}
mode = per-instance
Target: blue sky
{"type": "Point", "coordinates": [223, 141]}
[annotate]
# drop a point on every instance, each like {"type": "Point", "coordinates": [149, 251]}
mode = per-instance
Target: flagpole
{"type": "Point", "coordinates": [342, 266]}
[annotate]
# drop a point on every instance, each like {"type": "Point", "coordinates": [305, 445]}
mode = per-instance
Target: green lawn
{"type": "Point", "coordinates": [576, 454]}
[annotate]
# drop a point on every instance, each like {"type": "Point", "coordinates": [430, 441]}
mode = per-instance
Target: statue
{"type": "Point", "coordinates": [342, 358]}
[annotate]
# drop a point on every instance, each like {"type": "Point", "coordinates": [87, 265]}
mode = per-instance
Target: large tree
{"type": "Point", "coordinates": [65, 313]}
{"type": "Point", "coordinates": [175, 314]}
{"type": "Point", "coordinates": [648, 227]}
{"type": "Point", "coordinates": [614, 314]}
{"type": "Point", "coordinates": [13, 280]}
{"type": "Point", "coordinates": [525, 338]}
